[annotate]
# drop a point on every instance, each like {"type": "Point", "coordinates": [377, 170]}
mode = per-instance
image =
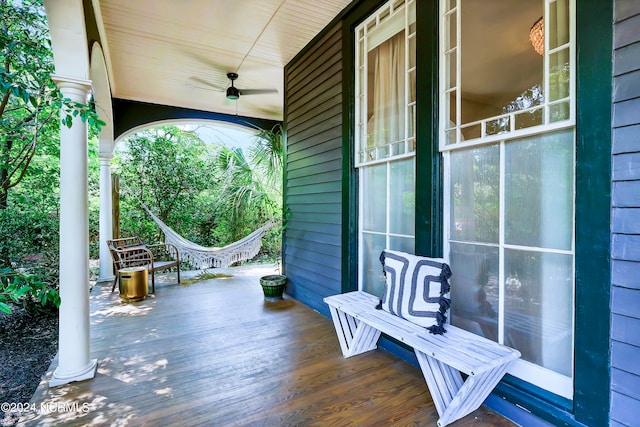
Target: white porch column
{"type": "Point", "coordinates": [106, 215]}
{"type": "Point", "coordinates": [73, 347]}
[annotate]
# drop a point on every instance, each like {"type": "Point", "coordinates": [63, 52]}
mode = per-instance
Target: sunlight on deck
{"type": "Point", "coordinates": [216, 353]}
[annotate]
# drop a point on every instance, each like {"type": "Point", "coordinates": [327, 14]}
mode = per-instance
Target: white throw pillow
{"type": "Point", "coordinates": [416, 289]}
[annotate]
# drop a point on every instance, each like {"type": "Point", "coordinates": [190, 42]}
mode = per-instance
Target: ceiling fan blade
{"type": "Point", "coordinates": [206, 83]}
{"type": "Point", "coordinates": [214, 66]}
{"type": "Point", "coordinates": [257, 91]}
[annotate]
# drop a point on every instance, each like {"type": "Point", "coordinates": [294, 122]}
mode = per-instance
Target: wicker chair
{"type": "Point", "coordinates": [132, 252]}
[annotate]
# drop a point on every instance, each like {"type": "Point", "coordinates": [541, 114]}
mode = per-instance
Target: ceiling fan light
{"type": "Point", "coordinates": [233, 93]}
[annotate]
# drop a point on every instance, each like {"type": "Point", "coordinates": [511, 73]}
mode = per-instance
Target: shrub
{"type": "Point", "coordinates": [26, 290]}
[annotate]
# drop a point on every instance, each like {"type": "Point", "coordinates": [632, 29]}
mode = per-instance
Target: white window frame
{"type": "Point", "coordinates": [394, 15]}
{"type": "Point", "coordinates": [534, 374]}
{"type": "Point", "coordinates": [390, 13]}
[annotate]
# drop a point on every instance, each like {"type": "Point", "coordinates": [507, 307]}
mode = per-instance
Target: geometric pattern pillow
{"type": "Point", "coordinates": [416, 289]}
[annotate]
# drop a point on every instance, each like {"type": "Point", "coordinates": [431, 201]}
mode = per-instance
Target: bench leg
{"type": "Point", "coordinates": [355, 337]}
{"type": "Point", "coordinates": [453, 397]}
{"type": "Point", "coordinates": [443, 381]}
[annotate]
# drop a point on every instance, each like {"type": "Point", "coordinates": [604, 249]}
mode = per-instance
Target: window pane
{"type": "Point", "coordinates": [472, 132]}
{"type": "Point", "coordinates": [474, 289]}
{"type": "Point", "coordinates": [372, 279]}
{"type": "Point", "coordinates": [559, 112]}
{"type": "Point", "coordinates": [559, 20]}
{"type": "Point", "coordinates": [450, 136]}
{"type": "Point", "coordinates": [498, 126]}
{"type": "Point", "coordinates": [539, 191]}
{"type": "Point", "coordinates": [402, 200]}
{"type": "Point", "coordinates": [411, 132]}
{"type": "Point", "coordinates": [450, 43]}
{"type": "Point", "coordinates": [559, 75]}
{"type": "Point", "coordinates": [475, 189]}
{"type": "Point", "coordinates": [539, 308]}
{"type": "Point", "coordinates": [412, 86]}
{"type": "Point", "coordinates": [404, 244]}
{"type": "Point", "coordinates": [528, 119]}
{"type": "Point", "coordinates": [386, 91]}
{"type": "Point", "coordinates": [498, 62]}
{"type": "Point", "coordinates": [450, 70]}
{"type": "Point", "coordinates": [450, 109]}
{"type": "Point", "coordinates": [412, 52]}
{"type": "Point", "coordinates": [374, 198]}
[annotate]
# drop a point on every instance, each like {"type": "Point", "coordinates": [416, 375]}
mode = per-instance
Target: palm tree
{"type": "Point", "coordinates": [252, 186]}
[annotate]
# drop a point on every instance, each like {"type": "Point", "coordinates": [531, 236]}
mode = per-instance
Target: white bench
{"type": "Point", "coordinates": [442, 357]}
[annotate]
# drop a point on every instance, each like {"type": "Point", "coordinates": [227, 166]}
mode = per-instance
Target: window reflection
{"type": "Point", "coordinates": [501, 71]}
{"type": "Point", "coordinates": [506, 76]}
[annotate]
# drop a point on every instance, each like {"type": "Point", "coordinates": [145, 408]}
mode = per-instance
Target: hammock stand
{"type": "Point", "coordinates": [203, 257]}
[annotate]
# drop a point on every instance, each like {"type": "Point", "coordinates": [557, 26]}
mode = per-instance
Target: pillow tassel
{"type": "Point", "coordinates": [437, 329]}
{"type": "Point", "coordinates": [446, 271]}
{"type": "Point", "coordinates": [384, 273]}
{"type": "Point", "coordinates": [382, 257]}
{"type": "Point", "coordinates": [444, 283]}
{"type": "Point", "coordinates": [445, 304]}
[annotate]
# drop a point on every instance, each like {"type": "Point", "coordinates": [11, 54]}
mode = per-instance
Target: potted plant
{"type": "Point", "coordinates": [268, 154]}
{"type": "Point", "coordinates": [273, 285]}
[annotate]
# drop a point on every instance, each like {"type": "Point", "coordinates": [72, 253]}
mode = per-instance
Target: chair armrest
{"type": "Point", "coordinates": [165, 250]}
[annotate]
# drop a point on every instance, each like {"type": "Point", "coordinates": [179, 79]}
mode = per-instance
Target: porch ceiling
{"type": "Point", "coordinates": [178, 53]}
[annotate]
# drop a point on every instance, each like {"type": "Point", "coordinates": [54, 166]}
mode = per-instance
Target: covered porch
{"type": "Point", "coordinates": [216, 353]}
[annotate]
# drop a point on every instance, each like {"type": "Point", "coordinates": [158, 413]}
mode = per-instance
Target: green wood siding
{"type": "Point", "coordinates": [313, 188]}
{"type": "Point", "coordinates": [320, 253]}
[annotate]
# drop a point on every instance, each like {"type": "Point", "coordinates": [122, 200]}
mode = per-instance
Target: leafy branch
{"type": "Point", "coordinates": [26, 290]}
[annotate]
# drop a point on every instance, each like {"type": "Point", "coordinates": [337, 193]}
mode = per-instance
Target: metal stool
{"type": "Point", "coordinates": [134, 283]}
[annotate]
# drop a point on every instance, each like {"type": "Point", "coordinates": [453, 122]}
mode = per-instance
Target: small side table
{"type": "Point", "coordinates": [134, 284]}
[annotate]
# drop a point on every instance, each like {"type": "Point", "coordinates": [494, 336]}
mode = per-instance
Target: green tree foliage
{"type": "Point", "coordinates": [245, 193]}
{"type": "Point", "coordinates": [28, 95]}
{"type": "Point", "coordinates": [30, 106]}
{"type": "Point", "coordinates": [268, 155]}
{"type": "Point", "coordinates": [251, 188]}
{"type": "Point", "coordinates": [31, 103]}
{"type": "Point", "coordinates": [167, 169]}
{"type": "Point", "coordinates": [210, 195]}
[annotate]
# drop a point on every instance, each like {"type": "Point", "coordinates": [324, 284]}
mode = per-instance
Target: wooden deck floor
{"type": "Point", "coordinates": [215, 353]}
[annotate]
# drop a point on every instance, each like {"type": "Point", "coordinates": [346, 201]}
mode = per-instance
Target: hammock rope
{"type": "Point", "coordinates": [203, 257]}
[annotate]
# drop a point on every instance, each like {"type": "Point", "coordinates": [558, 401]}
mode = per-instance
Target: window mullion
{"type": "Point", "coordinates": [501, 242]}
{"type": "Point", "coordinates": [360, 230]}
{"type": "Point", "coordinates": [545, 67]}
{"type": "Point", "coordinates": [406, 76]}
{"type": "Point", "coordinates": [388, 207]}
{"type": "Point", "coordinates": [458, 73]}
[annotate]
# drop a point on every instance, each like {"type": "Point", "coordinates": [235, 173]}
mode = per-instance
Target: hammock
{"type": "Point", "coordinates": [203, 257]}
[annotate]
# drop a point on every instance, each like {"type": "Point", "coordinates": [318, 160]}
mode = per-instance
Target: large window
{"type": "Point", "coordinates": [385, 136]}
{"type": "Point", "coordinates": [507, 131]}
